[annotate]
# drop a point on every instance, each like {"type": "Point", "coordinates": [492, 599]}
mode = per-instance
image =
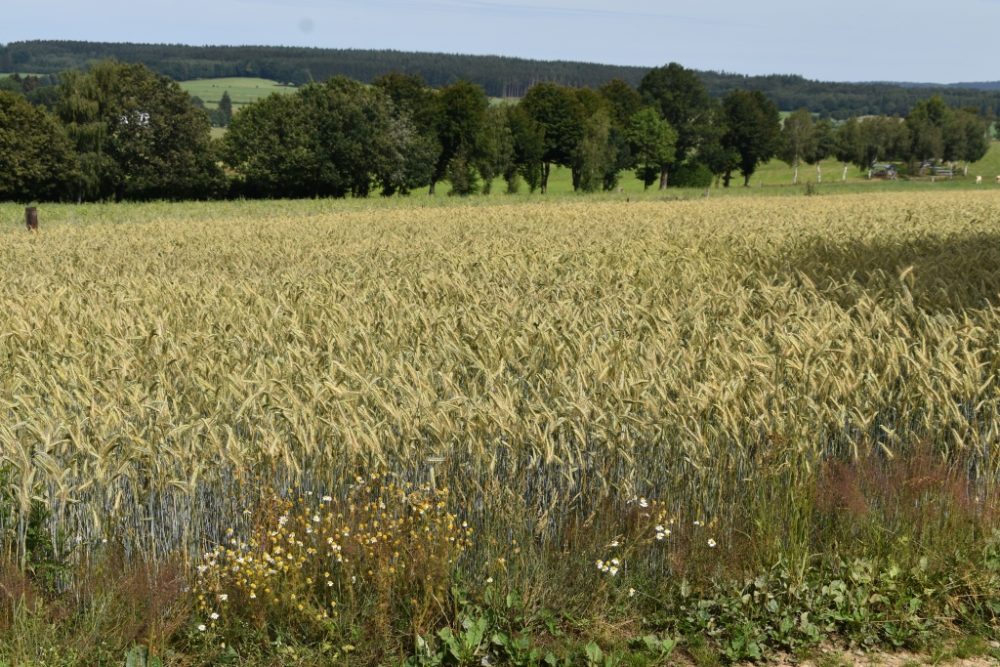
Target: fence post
{"type": "Point", "coordinates": [31, 218]}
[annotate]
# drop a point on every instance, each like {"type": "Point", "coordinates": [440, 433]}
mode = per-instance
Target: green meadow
{"type": "Point", "coordinates": [775, 178]}
{"type": "Point", "coordinates": [242, 90]}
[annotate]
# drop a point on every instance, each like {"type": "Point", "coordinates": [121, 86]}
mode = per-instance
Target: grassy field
{"type": "Point", "coordinates": [775, 177]}
{"type": "Point", "coordinates": [242, 90]}
{"type": "Point", "coordinates": [312, 431]}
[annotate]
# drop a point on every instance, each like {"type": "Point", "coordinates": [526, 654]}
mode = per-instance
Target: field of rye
{"type": "Point", "coordinates": [782, 380]}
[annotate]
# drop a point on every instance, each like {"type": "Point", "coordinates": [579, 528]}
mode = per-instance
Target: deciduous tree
{"type": "Point", "coordinates": [653, 143]}
{"type": "Point", "coordinates": [558, 111]}
{"type": "Point", "coordinates": [682, 100]}
{"type": "Point", "coordinates": [798, 141]}
{"type": "Point", "coordinates": [461, 116]}
{"type": "Point", "coordinates": [37, 160]}
{"type": "Point", "coordinates": [528, 138]}
{"type": "Point", "coordinates": [926, 123]}
{"type": "Point", "coordinates": [753, 130]}
{"type": "Point", "coordinates": [138, 134]}
{"type": "Point", "coordinates": [333, 139]}
{"type": "Point", "coordinates": [496, 147]}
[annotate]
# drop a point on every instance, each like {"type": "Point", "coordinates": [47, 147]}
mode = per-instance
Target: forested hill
{"type": "Point", "coordinates": [500, 76]}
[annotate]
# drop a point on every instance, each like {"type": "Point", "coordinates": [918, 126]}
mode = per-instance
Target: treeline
{"type": "Point", "coordinates": [499, 76]}
{"type": "Point", "coordinates": [121, 131]}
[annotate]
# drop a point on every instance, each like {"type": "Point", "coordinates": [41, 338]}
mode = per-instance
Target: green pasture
{"type": "Point", "coordinates": [242, 90]}
{"type": "Point", "coordinates": [775, 177]}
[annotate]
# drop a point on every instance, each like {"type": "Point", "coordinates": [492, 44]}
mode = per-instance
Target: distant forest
{"type": "Point", "coordinates": [499, 76]}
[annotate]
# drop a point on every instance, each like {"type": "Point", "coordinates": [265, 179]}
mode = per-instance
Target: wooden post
{"type": "Point", "coordinates": [31, 218]}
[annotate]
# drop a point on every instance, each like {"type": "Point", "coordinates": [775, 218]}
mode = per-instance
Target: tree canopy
{"type": "Point", "coordinates": [333, 139]}
{"type": "Point", "coordinates": [37, 161]}
{"type": "Point", "coordinates": [138, 134]}
{"type": "Point", "coordinates": [752, 130]}
{"type": "Point", "coordinates": [683, 101]}
{"type": "Point", "coordinates": [558, 112]}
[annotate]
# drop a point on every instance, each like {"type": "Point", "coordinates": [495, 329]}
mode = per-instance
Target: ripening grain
{"type": "Point", "coordinates": [154, 376]}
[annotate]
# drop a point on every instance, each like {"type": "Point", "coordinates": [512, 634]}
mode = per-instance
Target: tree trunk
{"type": "Point", "coordinates": [844, 177]}
{"type": "Point", "coordinates": [663, 178]}
{"type": "Point", "coordinates": [819, 173]}
{"type": "Point", "coordinates": [746, 181]}
{"type": "Point", "coordinates": [430, 191]}
{"type": "Point", "coordinates": [795, 174]}
{"type": "Point", "coordinates": [726, 177]}
{"type": "Point", "coordinates": [545, 177]}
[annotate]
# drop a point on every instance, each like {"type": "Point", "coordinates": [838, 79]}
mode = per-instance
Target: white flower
{"type": "Point", "coordinates": [201, 627]}
{"type": "Point", "coordinates": [660, 529]}
{"type": "Point", "coordinates": [316, 518]}
{"type": "Point", "coordinates": [327, 499]}
{"type": "Point", "coordinates": [223, 597]}
{"type": "Point", "coordinates": [613, 571]}
{"type": "Point", "coordinates": [661, 536]}
{"type": "Point", "coordinates": [214, 616]}
{"type": "Point", "coordinates": [615, 561]}
{"type": "Point", "coordinates": [614, 543]}
{"type": "Point", "coordinates": [698, 523]}
{"type": "Point", "coordinates": [489, 580]}
{"type": "Point", "coordinates": [631, 592]}
{"type": "Point", "coordinates": [253, 596]}
{"type": "Point", "coordinates": [643, 502]}
{"type": "Point", "coordinates": [711, 543]}
{"type": "Point", "coordinates": [600, 564]}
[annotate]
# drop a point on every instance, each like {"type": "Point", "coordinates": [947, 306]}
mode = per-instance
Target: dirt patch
{"type": "Point", "coordinates": [834, 657]}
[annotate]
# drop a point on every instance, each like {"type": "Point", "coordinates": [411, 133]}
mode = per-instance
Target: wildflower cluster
{"type": "Point", "coordinates": [652, 513]}
{"type": "Point", "coordinates": [610, 568]}
{"type": "Point", "coordinates": [380, 545]}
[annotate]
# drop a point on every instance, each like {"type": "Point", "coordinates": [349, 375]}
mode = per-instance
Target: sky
{"type": "Point", "coordinates": [846, 40]}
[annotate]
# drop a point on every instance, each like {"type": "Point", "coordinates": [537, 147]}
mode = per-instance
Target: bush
{"type": "Point", "coordinates": [691, 175]}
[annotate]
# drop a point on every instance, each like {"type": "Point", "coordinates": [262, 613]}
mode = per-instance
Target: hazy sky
{"type": "Point", "coordinates": [847, 40]}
